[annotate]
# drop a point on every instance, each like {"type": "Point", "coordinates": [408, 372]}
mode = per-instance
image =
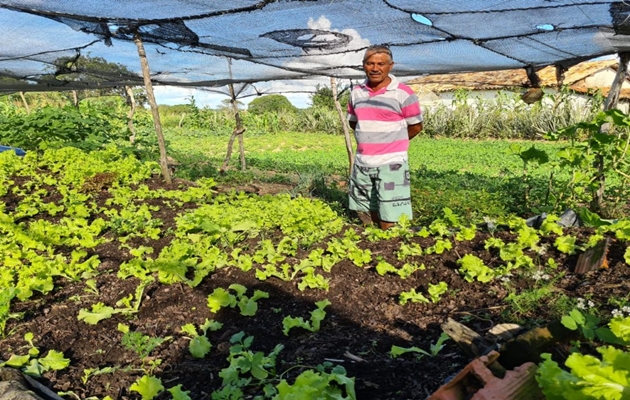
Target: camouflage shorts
{"type": "Point", "coordinates": [385, 189]}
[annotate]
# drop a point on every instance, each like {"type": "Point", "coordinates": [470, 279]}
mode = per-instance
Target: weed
{"type": "Point", "coordinates": [140, 344]}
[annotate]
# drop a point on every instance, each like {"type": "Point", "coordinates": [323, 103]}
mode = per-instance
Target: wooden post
{"type": "Point", "coordinates": [146, 73]}
{"type": "Point", "coordinates": [75, 99]}
{"type": "Point", "coordinates": [28, 109]}
{"type": "Point", "coordinates": [237, 132]}
{"type": "Point", "coordinates": [131, 101]}
{"type": "Point", "coordinates": [611, 102]}
{"type": "Point", "coordinates": [344, 124]}
{"type": "Point", "coordinates": [238, 129]}
{"type": "Point", "coordinates": [615, 89]}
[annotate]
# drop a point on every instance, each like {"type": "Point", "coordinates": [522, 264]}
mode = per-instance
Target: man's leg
{"type": "Point", "coordinates": [378, 221]}
{"type": "Point", "coordinates": [394, 194]}
{"type": "Point", "coordinates": [362, 197]}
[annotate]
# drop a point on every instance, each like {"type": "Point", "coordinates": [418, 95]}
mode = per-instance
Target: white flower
{"type": "Point", "coordinates": [580, 303]}
{"type": "Point", "coordinates": [617, 313]}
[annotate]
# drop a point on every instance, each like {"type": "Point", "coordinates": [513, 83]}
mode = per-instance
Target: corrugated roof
{"type": "Point", "coordinates": [516, 78]}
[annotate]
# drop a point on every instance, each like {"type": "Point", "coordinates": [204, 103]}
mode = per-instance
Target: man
{"type": "Point", "coordinates": [384, 114]}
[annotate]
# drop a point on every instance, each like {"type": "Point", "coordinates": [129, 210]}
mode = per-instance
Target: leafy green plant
{"type": "Point", "coordinates": [246, 367]}
{"type": "Point", "coordinates": [408, 250]}
{"type": "Point", "coordinates": [127, 306]}
{"type": "Point", "coordinates": [435, 293]}
{"type": "Point", "coordinates": [440, 246]}
{"type": "Point", "coordinates": [347, 248]}
{"type": "Point", "coordinates": [90, 372]}
{"type": "Point", "coordinates": [147, 386]}
{"type": "Point", "coordinates": [248, 306]}
{"type": "Point", "coordinates": [33, 365]}
{"type": "Point", "coordinates": [473, 268]}
{"type": "Point", "coordinates": [139, 343]}
{"type": "Point", "coordinates": [588, 325]}
{"type": "Point", "coordinates": [526, 303]}
{"type": "Point", "coordinates": [566, 244]}
{"type": "Point", "coordinates": [257, 371]}
{"type": "Point", "coordinates": [200, 345]}
{"type": "Point", "coordinates": [317, 316]}
{"type": "Point", "coordinates": [318, 385]}
{"type": "Point", "coordinates": [595, 157]}
{"type": "Point", "coordinates": [383, 267]}
{"type": "Point", "coordinates": [434, 349]}
{"type": "Point", "coordinates": [6, 295]}
{"type": "Point", "coordinates": [466, 233]}
{"type": "Point", "coordinates": [412, 296]}
{"type": "Point", "coordinates": [590, 377]}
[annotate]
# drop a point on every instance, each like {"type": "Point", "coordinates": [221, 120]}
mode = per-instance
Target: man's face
{"type": "Point", "coordinates": [377, 67]}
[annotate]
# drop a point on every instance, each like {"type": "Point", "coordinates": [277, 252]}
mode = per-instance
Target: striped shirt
{"type": "Point", "coordinates": [382, 118]}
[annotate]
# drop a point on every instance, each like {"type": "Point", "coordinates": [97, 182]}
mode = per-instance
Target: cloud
{"type": "Point", "coordinates": [297, 91]}
{"type": "Point", "coordinates": [345, 58]}
{"type": "Point", "coordinates": [173, 95]}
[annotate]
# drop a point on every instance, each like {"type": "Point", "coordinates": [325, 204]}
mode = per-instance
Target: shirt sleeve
{"type": "Point", "coordinates": [352, 117]}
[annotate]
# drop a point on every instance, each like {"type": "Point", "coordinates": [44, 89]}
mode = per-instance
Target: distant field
{"type": "Point", "coordinates": [292, 152]}
{"type": "Point", "coordinates": [474, 178]}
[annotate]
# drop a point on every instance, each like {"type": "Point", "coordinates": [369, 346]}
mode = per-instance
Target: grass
{"type": "Point", "coordinates": [475, 178]}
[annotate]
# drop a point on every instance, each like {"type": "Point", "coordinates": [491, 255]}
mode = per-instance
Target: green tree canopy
{"type": "Point", "coordinates": [226, 105]}
{"type": "Point", "coordinates": [270, 103]}
{"type": "Point", "coordinates": [323, 97]}
{"type": "Point", "coordinates": [84, 68]}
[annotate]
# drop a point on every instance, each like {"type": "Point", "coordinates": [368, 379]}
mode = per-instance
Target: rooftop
{"type": "Point", "coordinates": [509, 79]}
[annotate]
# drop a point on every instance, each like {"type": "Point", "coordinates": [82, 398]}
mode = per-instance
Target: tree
{"type": "Point", "coordinates": [323, 97]}
{"type": "Point", "coordinates": [226, 105]}
{"type": "Point", "coordinates": [270, 103]}
{"type": "Point", "coordinates": [96, 69]}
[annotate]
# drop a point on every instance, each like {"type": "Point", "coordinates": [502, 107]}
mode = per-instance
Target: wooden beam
{"type": "Point", "coordinates": [344, 123]}
{"type": "Point", "coordinates": [146, 73]}
{"type": "Point", "coordinates": [615, 89]}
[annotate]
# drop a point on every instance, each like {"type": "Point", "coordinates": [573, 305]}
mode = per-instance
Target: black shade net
{"type": "Point", "coordinates": [72, 44]}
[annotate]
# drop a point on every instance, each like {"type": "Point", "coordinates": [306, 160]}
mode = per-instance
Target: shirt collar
{"type": "Point", "coordinates": [392, 85]}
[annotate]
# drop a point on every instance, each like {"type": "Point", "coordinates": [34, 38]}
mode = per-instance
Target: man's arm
{"type": "Point", "coordinates": [413, 130]}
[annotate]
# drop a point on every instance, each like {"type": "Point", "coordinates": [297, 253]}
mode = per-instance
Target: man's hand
{"type": "Point", "coordinates": [413, 130]}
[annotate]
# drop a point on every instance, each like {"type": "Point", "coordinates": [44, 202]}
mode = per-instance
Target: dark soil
{"type": "Point", "coordinates": [363, 322]}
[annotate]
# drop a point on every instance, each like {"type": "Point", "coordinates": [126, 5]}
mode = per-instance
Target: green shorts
{"type": "Point", "coordinates": [385, 189]}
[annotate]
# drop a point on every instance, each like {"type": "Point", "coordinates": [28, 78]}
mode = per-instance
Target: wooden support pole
{"type": "Point", "coordinates": [28, 109]}
{"type": "Point", "coordinates": [611, 102]}
{"type": "Point", "coordinates": [131, 102]}
{"type": "Point", "coordinates": [344, 123]}
{"type": "Point", "coordinates": [238, 130]}
{"type": "Point", "coordinates": [146, 73]}
{"type": "Point", "coordinates": [615, 89]}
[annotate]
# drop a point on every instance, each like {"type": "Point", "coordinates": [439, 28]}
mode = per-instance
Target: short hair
{"type": "Point", "coordinates": [378, 48]}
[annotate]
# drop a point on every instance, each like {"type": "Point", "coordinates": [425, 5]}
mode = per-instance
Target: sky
{"type": "Point", "coordinates": [298, 93]}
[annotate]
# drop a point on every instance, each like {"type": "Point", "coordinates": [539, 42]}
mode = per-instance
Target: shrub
{"type": "Point", "coordinates": [270, 104]}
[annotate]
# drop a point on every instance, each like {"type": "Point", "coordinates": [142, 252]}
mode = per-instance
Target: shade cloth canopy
{"type": "Point", "coordinates": [80, 44]}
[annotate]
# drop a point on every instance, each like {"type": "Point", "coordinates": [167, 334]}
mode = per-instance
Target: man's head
{"type": "Point", "coordinates": [377, 62]}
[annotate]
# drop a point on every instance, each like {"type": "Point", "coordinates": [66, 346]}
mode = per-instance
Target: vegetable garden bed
{"type": "Point", "coordinates": [147, 289]}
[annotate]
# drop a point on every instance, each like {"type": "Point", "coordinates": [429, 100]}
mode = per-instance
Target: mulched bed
{"type": "Point", "coordinates": [361, 325]}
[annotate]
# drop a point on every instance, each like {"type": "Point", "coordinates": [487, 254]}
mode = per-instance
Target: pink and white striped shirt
{"type": "Point", "coordinates": [382, 118]}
